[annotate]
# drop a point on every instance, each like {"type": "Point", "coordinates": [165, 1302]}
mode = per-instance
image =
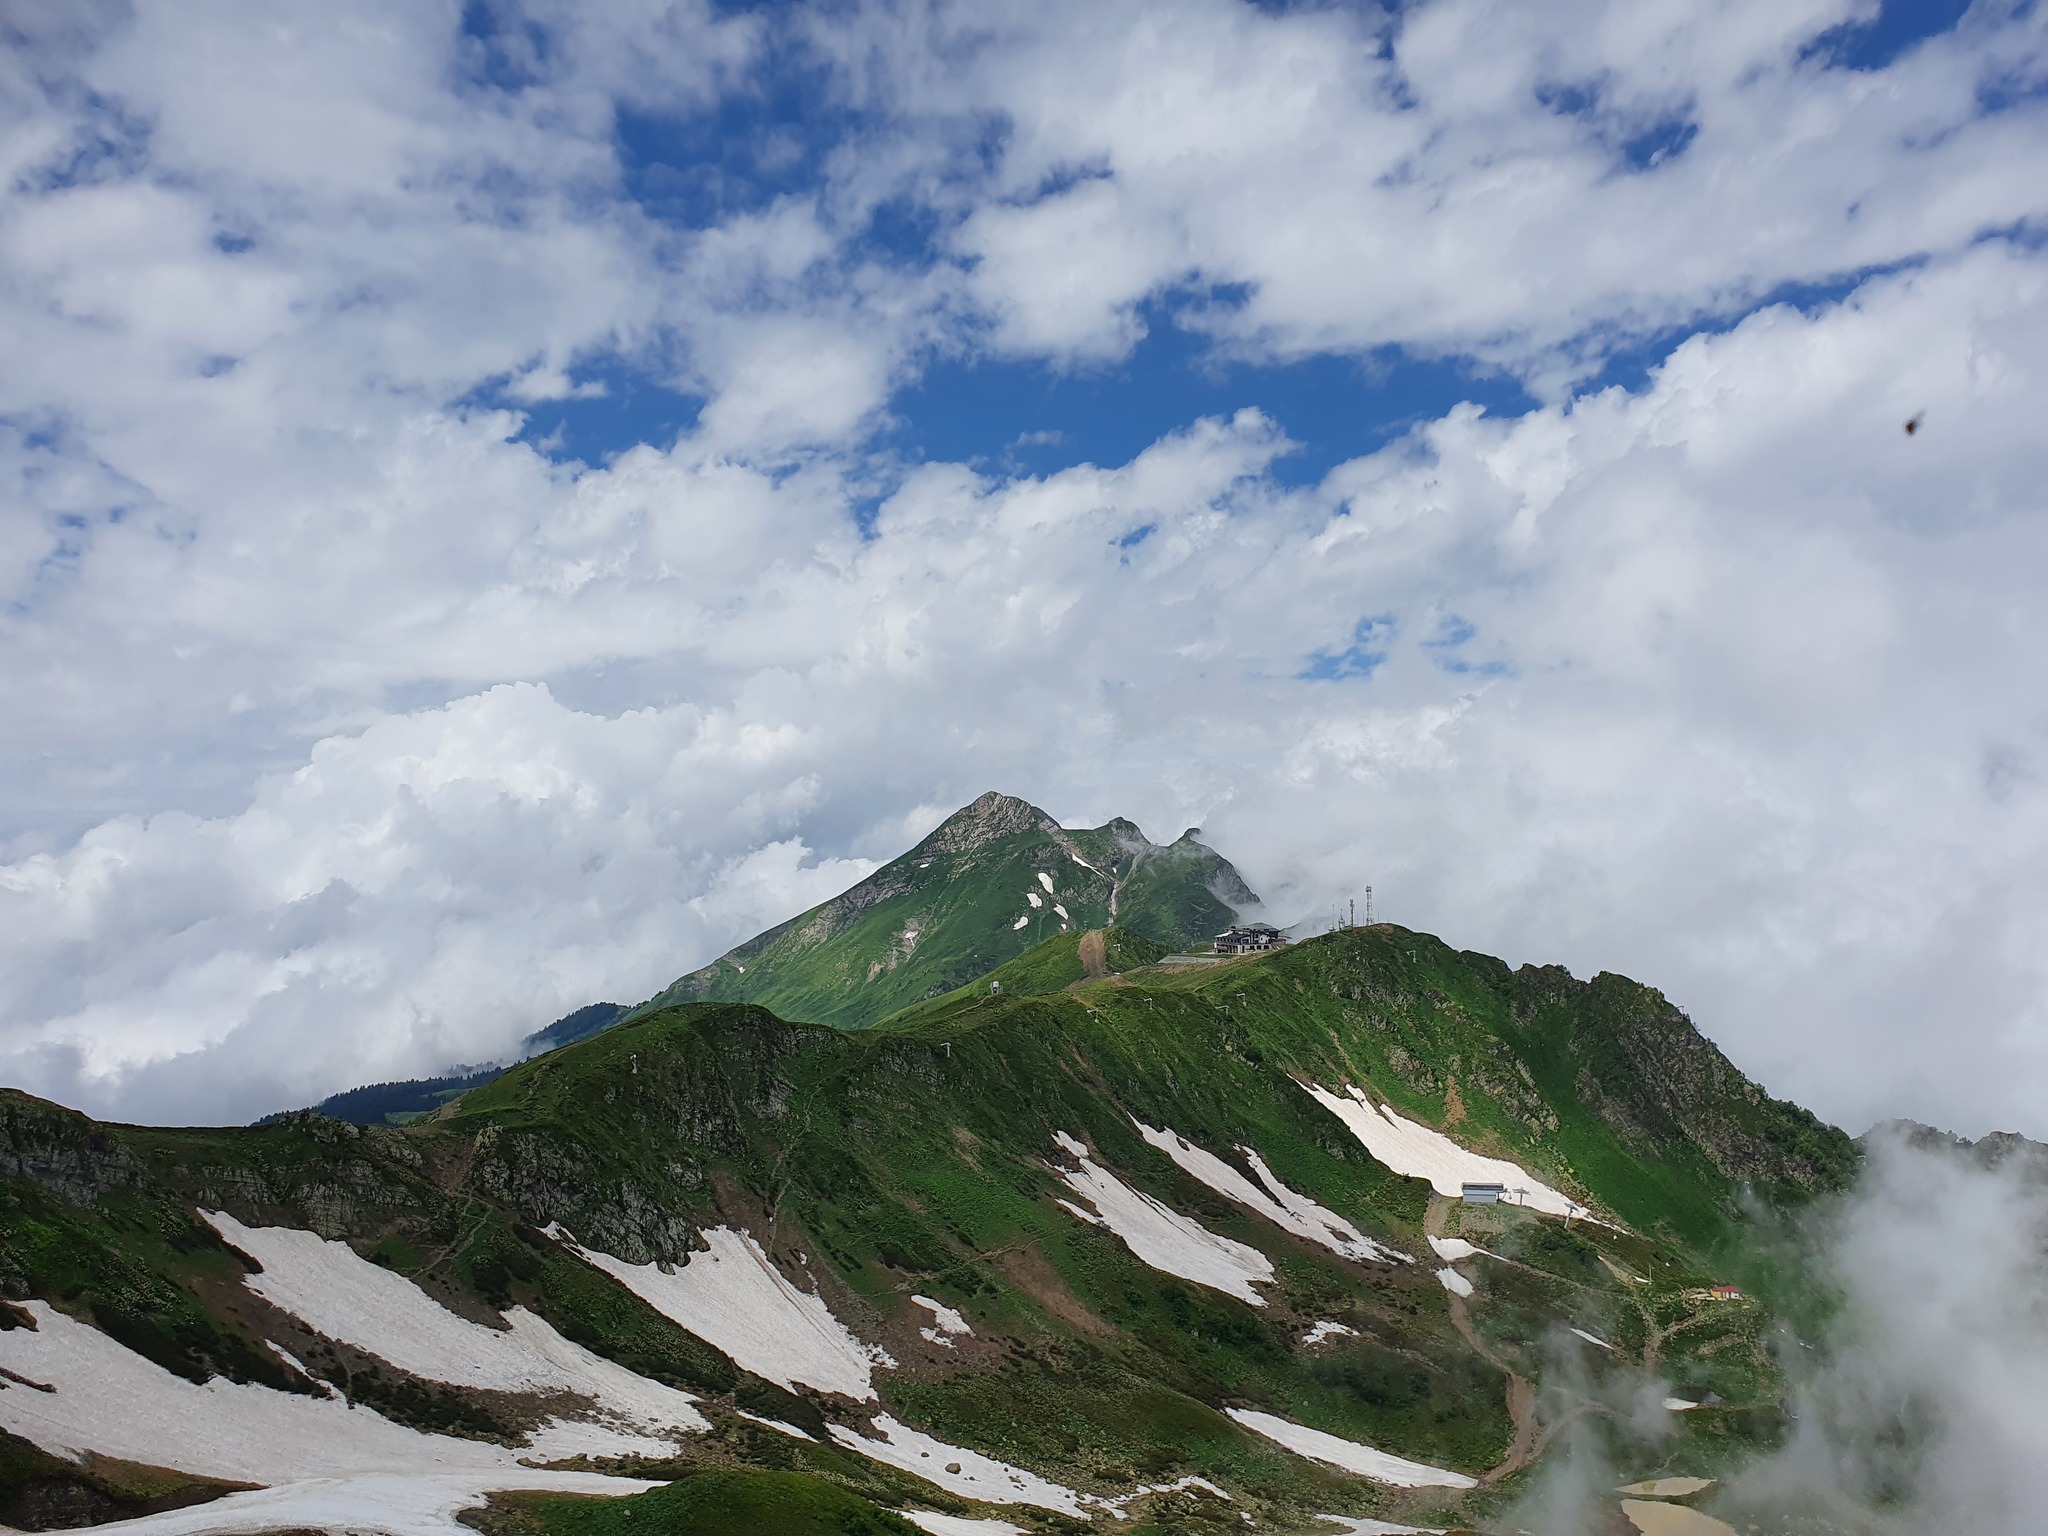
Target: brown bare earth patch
{"type": "Point", "coordinates": [1028, 1270]}
{"type": "Point", "coordinates": [1454, 1103]}
{"type": "Point", "coordinates": [1094, 955]}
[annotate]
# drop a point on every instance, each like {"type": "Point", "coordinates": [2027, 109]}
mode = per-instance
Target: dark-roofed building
{"type": "Point", "coordinates": [1249, 939]}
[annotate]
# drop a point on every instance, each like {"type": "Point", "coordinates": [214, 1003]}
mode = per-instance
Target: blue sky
{"type": "Point", "coordinates": [502, 503]}
{"type": "Point", "coordinates": [958, 402]}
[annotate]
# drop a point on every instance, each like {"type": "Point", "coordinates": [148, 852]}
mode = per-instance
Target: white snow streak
{"type": "Point", "coordinates": [979, 1477]}
{"type": "Point", "coordinates": [731, 1296]}
{"type": "Point", "coordinates": [1590, 1339]}
{"type": "Point", "coordinates": [1454, 1282]}
{"type": "Point", "coordinates": [1349, 1454]}
{"type": "Point", "coordinates": [1421, 1153]}
{"type": "Point", "coordinates": [1323, 1331]}
{"type": "Point", "coordinates": [1165, 1239]}
{"type": "Point", "coordinates": [959, 1525]}
{"type": "Point", "coordinates": [1034, 899]}
{"type": "Point", "coordinates": [1045, 880]}
{"type": "Point", "coordinates": [1353, 1526]}
{"type": "Point", "coordinates": [1679, 1405]}
{"type": "Point", "coordinates": [1453, 1248]}
{"type": "Point", "coordinates": [1022, 922]}
{"type": "Point", "coordinates": [1286, 1208]}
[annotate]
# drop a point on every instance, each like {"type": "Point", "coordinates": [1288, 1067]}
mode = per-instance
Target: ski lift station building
{"type": "Point", "coordinates": [1249, 939]}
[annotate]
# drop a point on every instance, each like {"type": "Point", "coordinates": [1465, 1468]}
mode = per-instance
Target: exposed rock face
{"type": "Point", "coordinates": [988, 819]}
{"type": "Point", "coordinates": [1664, 1081]}
{"type": "Point", "coordinates": [61, 1150]}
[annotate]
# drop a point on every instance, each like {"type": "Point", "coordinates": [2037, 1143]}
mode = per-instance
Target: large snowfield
{"type": "Point", "coordinates": [733, 1297]}
{"type": "Point", "coordinates": [335, 1291]}
{"type": "Point", "coordinates": [110, 1400]}
{"type": "Point", "coordinates": [1286, 1208]}
{"type": "Point", "coordinates": [1421, 1153]}
{"type": "Point", "coordinates": [1335, 1451]}
{"type": "Point", "coordinates": [1164, 1239]}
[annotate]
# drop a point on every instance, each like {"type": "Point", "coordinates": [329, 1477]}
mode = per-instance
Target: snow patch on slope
{"type": "Point", "coordinates": [1453, 1248]}
{"type": "Point", "coordinates": [1162, 1238]}
{"type": "Point", "coordinates": [959, 1525]}
{"type": "Point", "coordinates": [386, 1504]}
{"type": "Point", "coordinates": [967, 1473]}
{"type": "Point", "coordinates": [1286, 1208]}
{"type": "Point", "coordinates": [336, 1291]}
{"type": "Point", "coordinates": [112, 1401]}
{"type": "Point", "coordinates": [944, 1321]}
{"type": "Point", "coordinates": [1323, 1331]}
{"type": "Point", "coordinates": [1454, 1282]}
{"type": "Point", "coordinates": [733, 1297]}
{"type": "Point", "coordinates": [1045, 880]}
{"type": "Point", "coordinates": [1421, 1153]}
{"type": "Point", "coordinates": [1380, 1466]}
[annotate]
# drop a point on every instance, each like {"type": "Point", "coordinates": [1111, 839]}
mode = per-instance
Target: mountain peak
{"type": "Point", "coordinates": [993, 880]}
{"type": "Point", "coordinates": [992, 817]}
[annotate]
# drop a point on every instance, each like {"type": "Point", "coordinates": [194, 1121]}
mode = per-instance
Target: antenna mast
{"type": "Point", "coordinates": [1368, 906]}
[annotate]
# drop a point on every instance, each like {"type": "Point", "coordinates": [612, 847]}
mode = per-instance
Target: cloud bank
{"type": "Point", "coordinates": [353, 729]}
{"type": "Point", "coordinates": [1916, 1400]}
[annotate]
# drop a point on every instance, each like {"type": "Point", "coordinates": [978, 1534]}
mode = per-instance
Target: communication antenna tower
{"type": "Point", "coordinates": [1352, 920]}
{"type": "Point", "coordinates": [1368, 906]}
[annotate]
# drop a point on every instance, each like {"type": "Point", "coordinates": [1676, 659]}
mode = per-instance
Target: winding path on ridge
{"type": "Point", "coordinates": [1530, 1435]}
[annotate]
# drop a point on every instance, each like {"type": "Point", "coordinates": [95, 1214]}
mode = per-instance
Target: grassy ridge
{"type": "Point", "coordinates": [737, 1502]}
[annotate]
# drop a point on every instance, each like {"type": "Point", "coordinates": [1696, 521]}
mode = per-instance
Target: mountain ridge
{"type": "Point", "coordinates": [1120, 1236]}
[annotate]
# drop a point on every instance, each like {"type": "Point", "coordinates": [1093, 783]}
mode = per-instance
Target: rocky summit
{"type": "Point", "coordinates": [981, 1199]}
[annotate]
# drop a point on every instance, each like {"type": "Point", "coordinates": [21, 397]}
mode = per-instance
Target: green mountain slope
{"type": "Point", "coordinates": [994, 880]}
{"type": "Point", "coordinates": [932, 1157]}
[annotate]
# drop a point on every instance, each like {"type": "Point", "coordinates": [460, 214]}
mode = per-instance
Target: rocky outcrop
{"type": "Point", "coordinates": [62, 1150]}
{"type": "Point", "coordinates": [1651, 1077]}
{"type": "Point", "coordinates": [1999, 1149]}
{"type": "Point", "coordinates": [988, 820]}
